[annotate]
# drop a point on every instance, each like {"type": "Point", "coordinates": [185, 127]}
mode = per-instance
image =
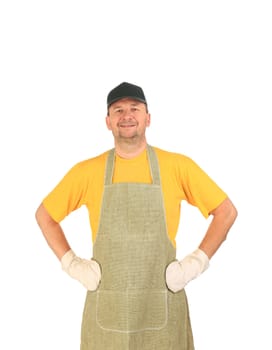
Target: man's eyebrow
{"type": "Point", "coordinates": [131, 104]}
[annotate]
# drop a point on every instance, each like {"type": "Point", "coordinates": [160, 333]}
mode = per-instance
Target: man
{"type": "Point", "coordinates": [135, 286]}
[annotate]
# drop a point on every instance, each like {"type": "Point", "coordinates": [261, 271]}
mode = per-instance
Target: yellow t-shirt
{"type": "Point", "coordinates": [181, 179]}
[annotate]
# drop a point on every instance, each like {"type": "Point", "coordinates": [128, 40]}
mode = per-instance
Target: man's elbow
{"type": "Point", "coordinates": [231, 212]}
{"type": "Point", "coordinates": [42, 216]}
{"type": "Point", "coordinates": [226, 211]}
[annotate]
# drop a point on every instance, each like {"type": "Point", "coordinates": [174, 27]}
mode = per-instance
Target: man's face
{"type": "Point", "coordinates": [128, 119]}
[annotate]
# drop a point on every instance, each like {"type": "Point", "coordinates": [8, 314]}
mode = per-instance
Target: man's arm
{"type": "Point", "coordinates": [223, 218]}
{"type": "Point", "coordinates": [87, 272]}
{"type": "Point", "coordinates": [179, 273]}
{"type": "Point", "coordinates": [52, 232]}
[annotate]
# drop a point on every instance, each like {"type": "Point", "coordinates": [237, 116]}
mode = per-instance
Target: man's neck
{"type": "Point", "coordinates": [130, 150]}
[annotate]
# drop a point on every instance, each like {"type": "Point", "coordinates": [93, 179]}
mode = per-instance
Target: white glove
{"type": "Point", "coordinates": [87, 272]}
{"type": "Point", "coordinates": [179, 273]}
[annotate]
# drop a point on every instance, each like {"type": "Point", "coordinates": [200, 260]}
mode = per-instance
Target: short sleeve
{"type": "Point", "coordinates": [199, 188]}
{"type": "Point", "coordinates": [69, 194]}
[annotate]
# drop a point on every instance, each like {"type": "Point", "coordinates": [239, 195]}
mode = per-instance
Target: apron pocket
{"type": "Point", "coordinates": [131, 311]}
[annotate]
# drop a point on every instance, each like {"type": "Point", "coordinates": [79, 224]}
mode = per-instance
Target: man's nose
{"type": "Point", "coordinates": [127, 113]}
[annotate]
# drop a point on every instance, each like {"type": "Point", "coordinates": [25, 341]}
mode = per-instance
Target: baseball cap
{"type": "Point", "coordinates": [126, 90]}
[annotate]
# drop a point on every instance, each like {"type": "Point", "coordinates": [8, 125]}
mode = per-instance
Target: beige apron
{"type": "Point", "coordinates": [132, 308]}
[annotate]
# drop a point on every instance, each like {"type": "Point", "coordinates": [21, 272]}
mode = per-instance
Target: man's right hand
{"type": "Point", "coordinates": [87, 272]}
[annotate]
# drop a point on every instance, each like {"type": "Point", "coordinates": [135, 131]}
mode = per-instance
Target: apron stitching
{"type": "Point", "coordinates": [136, 330]}
{"type": "Point", "coordinates": [162, 197]}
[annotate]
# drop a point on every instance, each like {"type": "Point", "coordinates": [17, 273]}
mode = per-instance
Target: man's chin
{"type": "Point", "coordinates": [128, 137]}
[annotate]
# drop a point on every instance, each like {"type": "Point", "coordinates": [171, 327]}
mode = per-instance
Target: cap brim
{"type": "Point", "coordinates": [132, 97]}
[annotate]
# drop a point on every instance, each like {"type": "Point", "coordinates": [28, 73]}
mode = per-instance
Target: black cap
{"type": "Point", "coordinates": [126, 90]}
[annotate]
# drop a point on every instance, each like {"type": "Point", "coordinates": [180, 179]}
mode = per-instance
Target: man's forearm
{"type": "Point", "coordinates": [179, 273]}
{"type": "Point", "coordinates": [87, 272]}
{"type": "Point", "coordinates": [52, 232]}
{"type": "Point", "coordinates": [223, 218]}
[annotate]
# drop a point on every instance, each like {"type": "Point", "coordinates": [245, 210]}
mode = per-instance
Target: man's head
{"type": "Point", "coordinates": [127, 116]}
{"type": "Point", "coordinates": [126, 90]}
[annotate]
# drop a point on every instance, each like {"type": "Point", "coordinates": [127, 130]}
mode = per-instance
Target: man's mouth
{"type": "Point", "coordinates": [126, 125]}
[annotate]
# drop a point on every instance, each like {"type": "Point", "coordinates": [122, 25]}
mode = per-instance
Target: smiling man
{"type": "Point", "coordinates": [135, 286]}
{"type": "Point", "coordinates": [128, 119]}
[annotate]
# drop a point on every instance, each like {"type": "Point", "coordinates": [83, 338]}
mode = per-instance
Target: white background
{"type": "Point", "coordinates": [205, 67]}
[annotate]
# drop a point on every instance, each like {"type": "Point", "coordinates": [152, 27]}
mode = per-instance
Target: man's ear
{"type": "Point", "coordinates": [108, 122]}
{"type": "Point", "coordinates": [148, 120]}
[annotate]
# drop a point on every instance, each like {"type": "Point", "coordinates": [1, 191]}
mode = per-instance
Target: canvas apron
{"type": "Point", "coordinates": [132, 308]}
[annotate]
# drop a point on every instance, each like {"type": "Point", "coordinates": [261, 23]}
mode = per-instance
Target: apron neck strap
{"type": "Point", "coordinates": [152, 160]}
